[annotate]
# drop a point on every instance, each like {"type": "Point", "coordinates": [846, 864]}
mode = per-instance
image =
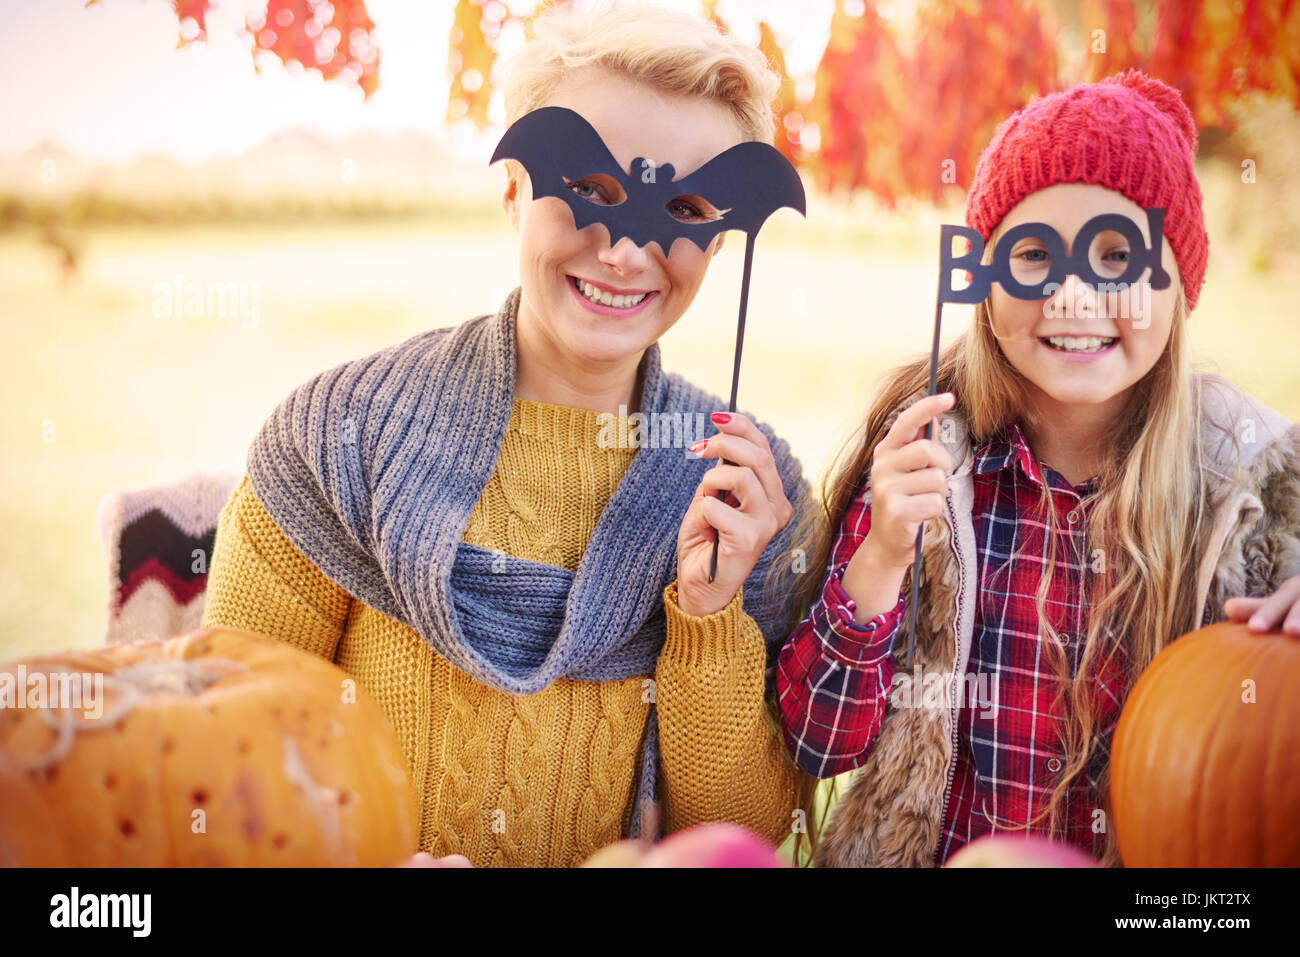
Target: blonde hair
{"type": "Point", "coordinates": [1149, 519]}
{"type": "Point", "coordinates": [676, 53]}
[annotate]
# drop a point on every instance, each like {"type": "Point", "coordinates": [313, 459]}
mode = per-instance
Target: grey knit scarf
{"type": "Point", "coordinates": [372, 469]}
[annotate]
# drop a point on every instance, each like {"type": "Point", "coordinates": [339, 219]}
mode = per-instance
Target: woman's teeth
{"type": "Point", "coordinates": [605, 298]}
{"type": "Point", "coordinates": [1079, 343]}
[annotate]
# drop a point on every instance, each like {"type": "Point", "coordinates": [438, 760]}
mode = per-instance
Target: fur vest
{"type": "Point", "coordinates": [892, 815]}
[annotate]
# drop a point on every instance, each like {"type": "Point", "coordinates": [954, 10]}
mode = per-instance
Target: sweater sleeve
{"type": "Point", "coordinates": [722, 758]}
{"type": "Point", "coordinates": [259, 581]}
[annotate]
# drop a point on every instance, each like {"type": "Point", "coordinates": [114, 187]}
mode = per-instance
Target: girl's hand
{"type": "Point", "coordinates": [1266, 614]}
{"type": "Point", "coordinates": [755, 509]}
{"type": "Point", "coordinates": [909, 480]}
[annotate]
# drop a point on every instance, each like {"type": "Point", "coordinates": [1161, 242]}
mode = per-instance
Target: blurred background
{"type": "Point", "coordinates": [325, 165]}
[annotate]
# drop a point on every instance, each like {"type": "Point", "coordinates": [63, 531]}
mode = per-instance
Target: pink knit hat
{"type": "Point", "coordinates": [1130, 133]}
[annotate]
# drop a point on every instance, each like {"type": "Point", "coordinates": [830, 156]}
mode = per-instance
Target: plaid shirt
{"type": "Point", "coordinates": [834, 674]}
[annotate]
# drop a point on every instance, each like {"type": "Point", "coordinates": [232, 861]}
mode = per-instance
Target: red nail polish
{"type": "Point", "coordinates": [721, 418]}
{"type": "Point", "coordinates": [699, 445]}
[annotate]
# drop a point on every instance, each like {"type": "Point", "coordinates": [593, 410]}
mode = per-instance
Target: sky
{"type": "Point", "coordinates": [107, 83]}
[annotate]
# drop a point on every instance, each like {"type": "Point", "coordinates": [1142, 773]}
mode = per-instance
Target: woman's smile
{"type": "Point", "coordinates": [605, 301]}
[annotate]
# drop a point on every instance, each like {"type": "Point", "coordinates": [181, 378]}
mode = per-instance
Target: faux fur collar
{"type": "Point", "coordinates": [893, 812]}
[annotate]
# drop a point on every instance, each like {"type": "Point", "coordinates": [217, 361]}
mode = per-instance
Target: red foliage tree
{"type": "Point", "coordinates": [884, 119]}
{"type": "Point", "coordinates": [858, 106]}
{"type": "Point", "coordinates": [975, 63]}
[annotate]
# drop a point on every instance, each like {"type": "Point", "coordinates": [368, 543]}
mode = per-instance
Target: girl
{"type": "Point", "coordinates": [1087, 499]}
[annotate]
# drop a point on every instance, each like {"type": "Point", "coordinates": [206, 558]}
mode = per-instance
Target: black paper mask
{"type": "Point", "coordinates": [746, 184]}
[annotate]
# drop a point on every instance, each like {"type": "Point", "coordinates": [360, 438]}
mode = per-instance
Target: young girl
{"type": "Point", "coordinates": [1086, 499]}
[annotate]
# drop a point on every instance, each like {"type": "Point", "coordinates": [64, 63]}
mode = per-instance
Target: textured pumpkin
{"type": "Point", "coordinates": [215, 748]}
{"type": "Point", "coordinates": [1199, 775]}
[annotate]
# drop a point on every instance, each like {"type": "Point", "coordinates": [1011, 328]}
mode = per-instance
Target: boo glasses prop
{"type": "Point", "coordinates": [1026, 279]}
{"type": "Point", "coordinates": [743, 186]}
{"type": "Point", "coordinates": [1035, 279]}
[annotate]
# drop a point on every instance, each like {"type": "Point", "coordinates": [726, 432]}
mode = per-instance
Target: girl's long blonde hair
{"type": "Point", "coordinates": [1146, 529]}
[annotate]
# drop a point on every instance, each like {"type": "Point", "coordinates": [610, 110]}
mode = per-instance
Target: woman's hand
{"type": "Point", "coordinates": [755, 508]}
{"type": "Point", "coordinates": [909, 481]}
{"type": "Point", "coordinates": [1282, 608]}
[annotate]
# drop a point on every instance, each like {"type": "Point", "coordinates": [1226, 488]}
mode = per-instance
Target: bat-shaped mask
{"type": "Point", "coordinates": [746, 183]}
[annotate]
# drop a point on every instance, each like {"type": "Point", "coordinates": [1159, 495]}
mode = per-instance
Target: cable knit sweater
{"type": "Point", "coordinates": [542, 779]}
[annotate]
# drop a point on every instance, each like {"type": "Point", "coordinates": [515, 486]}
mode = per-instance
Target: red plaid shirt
{"type": "Point", "coordinates": [834, 675]}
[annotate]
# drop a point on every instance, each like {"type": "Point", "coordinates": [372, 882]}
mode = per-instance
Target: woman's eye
{"type": "Point", "coordinates": [591, 193]}
{"type": "Point", "coordinates": [1035, 255]}
{"type": "Point", "coordinates": [681, 209]}
{"type": "Point", "coordinates": [1118, 255]}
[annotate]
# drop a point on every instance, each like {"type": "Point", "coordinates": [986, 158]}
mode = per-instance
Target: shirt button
{"type": "Point", "coordinates": [1073, 517]}
{"type": "Point", "coordinates": [1053, 765]}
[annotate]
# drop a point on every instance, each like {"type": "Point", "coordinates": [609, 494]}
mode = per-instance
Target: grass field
{"type": "Point", "coordinates": [133, 399]}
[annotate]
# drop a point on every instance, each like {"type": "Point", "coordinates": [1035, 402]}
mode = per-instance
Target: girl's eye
{"type": "Point", "coordinates": [1118, 255]}
{"type": "Point", "coordinates": [1029, 264]}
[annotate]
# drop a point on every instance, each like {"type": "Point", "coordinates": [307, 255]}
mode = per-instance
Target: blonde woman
{"type": "Point", "coordinates": [529, 603]}
{"type": "Point", "coordinates": [1087, 500]}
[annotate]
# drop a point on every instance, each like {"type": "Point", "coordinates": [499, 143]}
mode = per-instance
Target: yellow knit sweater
{"type": "Point", "coordinates": [543, 779]}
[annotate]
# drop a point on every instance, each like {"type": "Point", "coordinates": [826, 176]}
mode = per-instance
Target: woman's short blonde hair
{"type": "Point", "coordinates": [673, 52]}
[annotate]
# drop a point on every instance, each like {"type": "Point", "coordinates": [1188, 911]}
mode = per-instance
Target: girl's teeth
{"type": "Point", "coordinates": [606, 299]}
{"type": "Point", "coordinates": [1079, 343]}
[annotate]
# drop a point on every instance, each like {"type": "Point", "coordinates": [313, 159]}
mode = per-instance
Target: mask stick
{"type": "Point", "coordinates": [735, 370]}
{"type": "Point", "coordinates": [920, 531]}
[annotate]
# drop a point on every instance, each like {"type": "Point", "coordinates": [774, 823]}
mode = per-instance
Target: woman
{"type": "Point", "coordinates": [530, 604]}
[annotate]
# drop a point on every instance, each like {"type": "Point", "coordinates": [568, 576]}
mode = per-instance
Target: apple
{"type": "Point", "coordinates": [424, 859]}
{"type": "Point", "coordinates": [717, 844]}
{"type": "Point", "coordinates": [1001, 850]}
{"type": "Point", "coordinates": [631, 853]}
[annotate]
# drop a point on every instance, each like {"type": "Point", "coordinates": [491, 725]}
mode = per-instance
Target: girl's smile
{"type": "Point", "coordinates": [1080, 348]}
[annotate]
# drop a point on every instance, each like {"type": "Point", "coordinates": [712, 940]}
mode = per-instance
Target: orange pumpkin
{"type": "Point", "coordinates": [215, 748]}
{"type": "Point", "coordinates": [1205, 765]}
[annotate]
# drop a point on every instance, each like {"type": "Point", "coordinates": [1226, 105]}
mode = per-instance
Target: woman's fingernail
{"type": "Point", "coordinates": [1258, 622]}
{"type": "Point", "coordinates": [698, 446]}
{"type": "Point", "coordinates": [721, 418]}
